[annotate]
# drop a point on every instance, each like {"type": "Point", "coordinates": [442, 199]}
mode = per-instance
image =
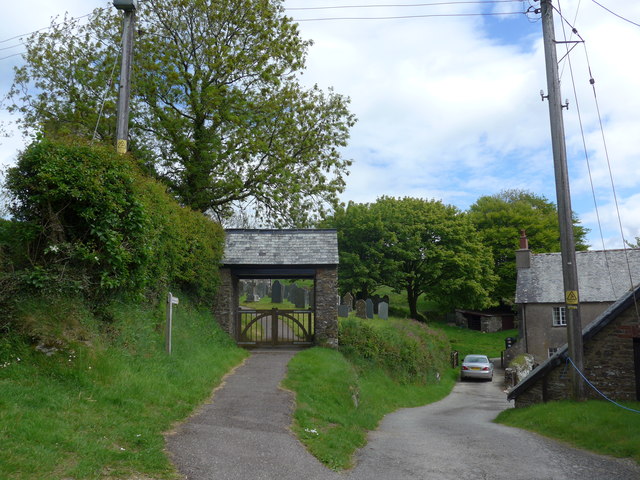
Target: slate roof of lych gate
{"type": "Point", "coordinates": [281, 247]}
{"type": "Point", "coordinates": [603, 276]}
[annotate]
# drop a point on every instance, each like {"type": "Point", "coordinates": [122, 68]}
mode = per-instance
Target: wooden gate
{"type": "Point", "coordinates": [275, 327]}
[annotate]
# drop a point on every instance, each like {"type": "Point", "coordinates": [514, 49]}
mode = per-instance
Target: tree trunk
{"type": "Point", "coordinates": [412, 300]}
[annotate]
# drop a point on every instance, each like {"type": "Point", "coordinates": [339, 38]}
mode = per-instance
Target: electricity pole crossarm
{"type": "Point", "coordinates": [565, 217]}
{"type": "Point", "coordinates": [124, 92]}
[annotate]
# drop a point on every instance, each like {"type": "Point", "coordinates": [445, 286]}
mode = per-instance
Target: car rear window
{"type": "Point", "coordinates": [475, 359]}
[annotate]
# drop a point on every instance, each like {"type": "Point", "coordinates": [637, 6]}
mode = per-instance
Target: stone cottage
{"type": "Point", "coordinates": [603, 277]}
{"type": "Point", "coordinates": [611, 359]}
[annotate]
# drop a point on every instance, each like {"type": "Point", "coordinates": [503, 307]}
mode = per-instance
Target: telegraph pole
{"type": "Point", "coordinates": [128, 25]}
{"type": "Point", "coordinates": [565, 217]}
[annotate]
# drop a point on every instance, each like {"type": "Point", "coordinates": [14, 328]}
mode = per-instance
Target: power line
{"type": "Point", "coordinates": [476, 2]}
{"type": "Point", "coordinates": [40, 29]}
{"type": "Point", "coordinates": [410, 16]}
{"type": "Point", "coordinates": [614, 13]}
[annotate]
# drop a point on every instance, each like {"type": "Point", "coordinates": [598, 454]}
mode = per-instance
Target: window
{"type": "Point", "coordinates": [559, 318]}
{"type": "Point", "coordinates": [552, 351]}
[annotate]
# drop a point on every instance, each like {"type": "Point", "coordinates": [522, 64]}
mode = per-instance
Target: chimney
{"type": "Point", "coordinates": [523, 255]}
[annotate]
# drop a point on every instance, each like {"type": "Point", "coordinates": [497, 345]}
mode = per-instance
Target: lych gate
{"type": "Point", "coordinates": [280, 254]}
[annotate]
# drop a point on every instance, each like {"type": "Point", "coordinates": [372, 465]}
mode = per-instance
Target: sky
{"type": "Point", "coordinates": [448, 101]}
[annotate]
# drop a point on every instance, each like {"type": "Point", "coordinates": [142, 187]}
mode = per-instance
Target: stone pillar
{"type": "Point", "coordinates": [326, 285]}
{"type": "Point", "coordinates": [226, 302]}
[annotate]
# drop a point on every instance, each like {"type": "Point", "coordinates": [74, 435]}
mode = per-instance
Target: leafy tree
{"type": "Point", "coordinates": [361, 237]}
{"type": "Point", "coordinates": [217, 107]}
{"type": "Point", "coordinates": [633, 245]}
{"type": "Point", "coordinates": [101, 228]}
{"type": "Point", "coordinates": [416, 246]}
{"type": "Point", "coordinates": [500, 218]}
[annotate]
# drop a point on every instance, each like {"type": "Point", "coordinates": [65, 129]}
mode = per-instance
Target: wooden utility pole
{"type": "Point", "coordinates": [565, 217]}
{"type": "Point", "coordinates": [128, 27]}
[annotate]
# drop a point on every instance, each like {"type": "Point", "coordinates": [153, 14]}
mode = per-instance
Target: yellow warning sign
{"type": "Point", "coordinates": [571, 297]}
{"type": "Point", "coordinates": [121, 147]}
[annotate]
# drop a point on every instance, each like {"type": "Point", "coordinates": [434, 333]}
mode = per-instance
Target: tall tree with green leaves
{"type": "Point", "coordinates": [217, 106]}
{"type": "Point", "coordinates": [421, 247]}
{"type": "Point", "coordinates": [499, 219]}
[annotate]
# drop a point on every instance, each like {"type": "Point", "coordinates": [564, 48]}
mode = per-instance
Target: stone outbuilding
{"type": "Point", "coordinates": [281, 254]}
{"type": "Point", "coordinates": [611, 360]}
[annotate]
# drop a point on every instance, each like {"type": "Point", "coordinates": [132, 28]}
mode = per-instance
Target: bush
{"type": "Point", "coordinates": [87, 221]}
{"type": "Point", "coordinates": [408, 350]}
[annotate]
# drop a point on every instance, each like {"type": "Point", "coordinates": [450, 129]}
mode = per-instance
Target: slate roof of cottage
{"type": "Point", "coordinates": [281, 247]}
{"type": "Point", "coordinates": [603, 276]}
{"type": "Point", "coordinates": [588, 332]}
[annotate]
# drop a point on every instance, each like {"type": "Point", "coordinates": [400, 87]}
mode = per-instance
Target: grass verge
{"type": "Point", "coordinates": [467, 341]}
{"type": "Point", "coordinates": [98, 405]}
{"type": "Point", "coordinates": [340, 396]}
{"type": "Point", "coordinates": [594, 425]}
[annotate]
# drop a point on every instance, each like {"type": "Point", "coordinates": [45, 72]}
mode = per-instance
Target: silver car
{"type": "Point", "coordinates": [476, 366]}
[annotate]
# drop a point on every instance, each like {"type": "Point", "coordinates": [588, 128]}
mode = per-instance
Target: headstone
{"type": "Point", "coordinates": [383, 310]}
{"type": "Point", "coordinates": [251, 296]}
{"type": "Point", "coordinates": [276, 292]}
{"type": "Point", "coordinates": [348, 300]}
{"type": "Point", "coordinates": [361, 311]}
{"type": "Point", "coordinates": [300, 298]}
{"type": "Point", "coordinates": [343, 311]}
{"type": "Point", "coordinates": [261, 289]}
{"type": "Point", "coordinates": [369, 308]}
{"type": "Point", "coordinates": [376, 299]}
{"type": "Point", "coordinates": [293, 293]}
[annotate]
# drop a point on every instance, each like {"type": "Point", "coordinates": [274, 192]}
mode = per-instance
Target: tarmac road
{"type": "Point", "coordinates": [243, 434]}
{"type": "Point", "coordinates": [456, 439]}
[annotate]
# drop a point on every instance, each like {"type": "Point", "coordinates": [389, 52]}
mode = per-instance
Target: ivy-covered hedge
{"type": "Point", "coordinates": [86, 220]}
{"type": "Point", "coordinates": [410, 351]}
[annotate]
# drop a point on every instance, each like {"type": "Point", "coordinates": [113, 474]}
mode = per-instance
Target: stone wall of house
{"type": "Point", "coordinates": [326, 293]}
{"type": "Point", "coordinates": [608, 364]}
{"type": "Point", "coordinates": [542, 335]}
{"type": "Point", "coordinates": [226, 301]}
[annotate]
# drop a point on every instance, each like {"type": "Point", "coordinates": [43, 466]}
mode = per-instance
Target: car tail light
{"type": "Point", "coordinates": [485, 369]}
{"type": "Point", "coordinates": [464, 367]}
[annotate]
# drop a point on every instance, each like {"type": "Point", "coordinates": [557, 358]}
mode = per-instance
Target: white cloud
{"type": "Point", "coordinates": [449, 107]}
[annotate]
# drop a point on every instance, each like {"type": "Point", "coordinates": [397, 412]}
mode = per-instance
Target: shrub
{"type": "Point", "coordinates": [87, 221]}
{"type": "Point", "coordinates": [408, 350]}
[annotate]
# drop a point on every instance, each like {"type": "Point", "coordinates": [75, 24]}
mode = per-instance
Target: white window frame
{"type": "Point", "coordinates": [559, 317]}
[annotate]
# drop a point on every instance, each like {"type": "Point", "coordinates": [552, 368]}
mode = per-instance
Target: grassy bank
{"type": "Point", "coordinates": [598, 426]}
{"type": "Point", "coordinates": [95, 402]}
{"type": "Point", "coordinates": [342, 395]}
{"type": "Point", "coordinates": [467, 341]}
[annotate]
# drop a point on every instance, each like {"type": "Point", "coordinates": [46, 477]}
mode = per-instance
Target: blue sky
{"type": "Point", "coordinates": [449, 107]}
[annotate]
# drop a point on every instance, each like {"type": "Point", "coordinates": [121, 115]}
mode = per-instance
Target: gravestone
{"type": "Point", "coordinates": [348, 301]}
{"type": "Point", "coordinates": [299, 298]}
{"type": "Point", "coordinates": [361, 311]}
{"type": "Point", "coordinates": [369, 308]}
{"type": "Point", "coordinates": [276, 292]}
{"type": "Point", "coordinates": [376, 299]}
{"type": "Point", "coordinates": [383, 310]}
{"type": "Point", "coordinates": [251, 295]}
{"type": "Point", "coordinates": [343, 311]}
{"type": "Point", "coordinates": [292, 292]}
{"type": "Point", "coordinates": [261, 289]}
